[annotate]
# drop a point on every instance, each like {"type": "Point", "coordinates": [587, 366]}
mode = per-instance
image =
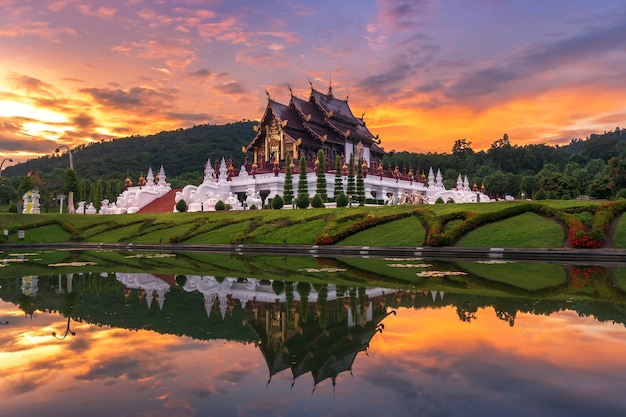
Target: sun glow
{"type": "Point", "coordinates": [29, 111]}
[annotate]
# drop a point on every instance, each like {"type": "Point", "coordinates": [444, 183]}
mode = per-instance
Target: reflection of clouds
{"type": "Point", "coordinates": [426, 363]}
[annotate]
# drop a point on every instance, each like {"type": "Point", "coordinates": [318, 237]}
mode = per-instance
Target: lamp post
{"type": "Point", "coordinates": [69, 151]}
{"type": "Point", "coordinates": [2, 163]}
{"type": "Point", "coordinates": [67, 331]}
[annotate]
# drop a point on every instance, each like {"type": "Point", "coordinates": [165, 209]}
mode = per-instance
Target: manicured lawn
{"type": "Point", "coordinates": [371, 226]}
{"type": "Point", "coordinates": [619, 238]}
{"type": "Point", "coordinates": [528, 230]}
{"type": "Point", "coordinates": [404, 232]}
{"type": "Point", "coordinates": [47, 233]}
{"type": "Point", "coordinates": [296, 234]}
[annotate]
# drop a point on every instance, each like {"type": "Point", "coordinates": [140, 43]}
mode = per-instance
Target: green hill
{"type": "Point", "coordinates": [179, 151]}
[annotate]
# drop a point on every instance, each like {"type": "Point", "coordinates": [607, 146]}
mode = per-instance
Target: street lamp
{"type": "Point", "coordinates": [67, 330]}
{"type": "Point", "coordinates": [2, 163]}
{"type": "Point", "coordinates": [69, 151]}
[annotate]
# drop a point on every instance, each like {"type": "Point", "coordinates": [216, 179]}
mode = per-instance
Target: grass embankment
{"type": "Point", "coordinates": [504, 224]}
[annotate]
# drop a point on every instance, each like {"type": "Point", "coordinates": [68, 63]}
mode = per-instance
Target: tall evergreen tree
{"type": "Point", "coordinates": [108, 192]}
{"type": "Point", "coordinates": [82, 190]}
{"type": "Point", "coordinates": [92, 192]}
{"type": "Point", "coordinates": [360, 186]}
{"type": "Point", "coordinates": [303, 199]}
{"type": "Point", "coordinates": [321, 176]}
{"type": "Point", "coordinates": [338, 179]}
{"type": "Point", "coordinates": [98, 196]}
{"type": "Point", "coordinates": [351, 190]}
{"type": "Point", "coordinates": [288, 187]}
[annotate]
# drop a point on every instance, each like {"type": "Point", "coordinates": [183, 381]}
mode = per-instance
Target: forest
{"type": "Point", "coordinates": [593, 167]}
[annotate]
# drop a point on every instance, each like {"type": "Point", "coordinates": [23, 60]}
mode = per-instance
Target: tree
{"type": "Point", "coordinates": [351, 191]}
{"type": "Point", "coordinates": [70, 186]}
{"type": "Point", "coordinates": [98, 196]}
{"type": "Point", "coordinates": [360, 187]}
{"type": "Point", "coordinates": [303, 200]}
{"type": "Point", "coordinates": [338, 179]}
{"type": "Point", "coordinates": [462, 147]}
{"type": "Point", "coordinates": [321, 177]}
{"type": "Point", "coordinates": [7, 192]}
{"type": "Point", "coordinates": [82, 190]}
{"type": "Point", "coordinates": [288, 187]}
{"type": "Point", "coordinates": [559, 184]}
{"type": "Point", "coordinates": [617, 172]}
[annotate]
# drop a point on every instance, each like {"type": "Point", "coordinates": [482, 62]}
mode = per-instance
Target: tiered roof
{"type": "Point", "coordinates": [322, 118]}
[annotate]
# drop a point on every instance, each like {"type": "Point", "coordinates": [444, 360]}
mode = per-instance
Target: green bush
{"type": "Point", "coordinates": [277, 202]}
{"type": "Point", "coordinates": [342, 200]}
{"type": "Point", "coordinates": [253, 207]}
{"type": "Point", "coordinates": [540, 195]}
{"type": "Point", "coordinates": [303, 201]}
{"type": "Point", "coordinates": [439, 201]}
{"type": "Point", "coordinates": [317, 201]}
{"type": "Point", "coordinates": [220, 206]}
{"type": "Point", "coordinates": [552, 195]}
{"type": "Point", "coordinates": [566, 197]}
{"type": "Point", "coordinates": [13, 208]}
{"type": "Point", "coordinates": [181, 206]}
{"type": "Point", "coordinates": [621, 195]}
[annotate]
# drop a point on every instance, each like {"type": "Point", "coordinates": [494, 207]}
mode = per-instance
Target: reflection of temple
{"type": "Point", "coordinates": [306, 328]}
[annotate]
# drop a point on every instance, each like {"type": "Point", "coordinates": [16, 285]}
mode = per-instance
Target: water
{"type": "Point", "coordinates": [377, 337]}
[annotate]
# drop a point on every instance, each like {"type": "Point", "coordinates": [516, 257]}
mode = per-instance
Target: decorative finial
{"type": "Point", "coordinates": [268, 95]}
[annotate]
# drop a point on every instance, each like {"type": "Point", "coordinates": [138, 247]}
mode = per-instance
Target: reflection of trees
{"type": "Point", "coordinates": [508, 316]}
{"type": "Point", "coordinates": [466, 312]}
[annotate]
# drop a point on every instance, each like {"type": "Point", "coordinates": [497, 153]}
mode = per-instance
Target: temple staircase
{"type": "Point", "coordinates": [164, 204]}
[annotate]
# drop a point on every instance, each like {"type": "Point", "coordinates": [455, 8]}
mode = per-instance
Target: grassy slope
{"type": "Point", "coordinates": [295, 226]}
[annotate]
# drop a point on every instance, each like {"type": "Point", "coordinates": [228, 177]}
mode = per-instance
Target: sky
{"type": "Point", "coordinates": [422, 73]}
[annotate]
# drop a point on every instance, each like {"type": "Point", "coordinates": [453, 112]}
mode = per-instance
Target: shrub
{"type": "Point", "coordinates": [540, 195]}
{"type": "Point", "coordinates": [552, 195]}
{"type": "Point", "coordinates": [342, 200]}
{"type": "Point", "coordinates": [317, 201]}
{"type": "Point", "coordinates": [181, 206]}
{"type": "Point", "coordinates": [439, 201]}
{"type": "Point", "coordinates": [566, 197]}
{"type": "Point", "coordinates": [253, 207]}
{"type": "Point", "coordinates": [621, 195]}
{"type": "Point", "coordinates": [303, 201]}
{"type": "Point", "coordinates": [13, 208]}
{"type": "Point", "coordinates": [220, 205]}
{"type": "Point", "coordinates": [277, 202]}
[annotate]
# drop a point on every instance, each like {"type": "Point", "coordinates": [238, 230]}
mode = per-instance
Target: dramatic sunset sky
{"type": "Point", "coordinates": [423, 72]}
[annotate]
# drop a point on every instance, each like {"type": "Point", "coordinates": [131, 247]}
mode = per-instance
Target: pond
{"type": "Point", "coordinates": [133, 334]}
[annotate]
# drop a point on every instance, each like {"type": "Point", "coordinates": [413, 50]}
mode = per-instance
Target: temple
{"type": "Point", "coordinates": [303, 127]}
{"type": "Point", "coordinates": [299, 130]}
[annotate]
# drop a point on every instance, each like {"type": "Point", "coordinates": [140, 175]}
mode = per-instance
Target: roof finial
{"type": "Point", "coordinates": [290, 91]}
{"type": "Point", "coordinates": [330, 86]}
{"type": "Point", "coordinates": [311, 84]}
{"type": "Point", "coordinates": [268, 95]}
